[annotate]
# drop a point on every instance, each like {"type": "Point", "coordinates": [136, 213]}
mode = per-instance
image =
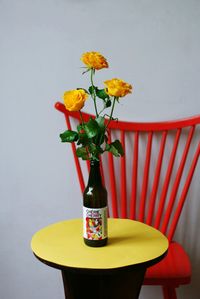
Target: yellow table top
{"type": "Point", "coordinates": [129, 243]}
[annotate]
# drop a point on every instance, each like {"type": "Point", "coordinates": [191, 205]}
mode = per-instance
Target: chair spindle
{"type": "Point", "coordinates": [123, 179]}
{"type": "Point", "coordinates": [134, 177]}
{"type": "Point", "coordinates": [145, 177]}
{"type": "Point", "coordinates": [112, 181]}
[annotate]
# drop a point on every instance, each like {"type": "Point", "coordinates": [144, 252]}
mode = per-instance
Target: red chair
{"type": "Point", "coordinates": [159, 165]}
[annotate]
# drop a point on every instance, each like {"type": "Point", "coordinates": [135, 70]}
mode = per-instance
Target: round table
{"type": "Point", "coordinates": [114, 271]}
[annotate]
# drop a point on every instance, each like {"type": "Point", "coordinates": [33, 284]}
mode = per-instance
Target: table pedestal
{"type": "Point", "coordinates": [120, 284]}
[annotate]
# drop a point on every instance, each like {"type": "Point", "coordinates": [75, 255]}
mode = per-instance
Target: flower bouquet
{"type": "Point", "coordinates": [92, 136]}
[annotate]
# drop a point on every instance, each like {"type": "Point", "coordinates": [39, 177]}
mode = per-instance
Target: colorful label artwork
{"type": "Point", "coordinates": [95, 223]}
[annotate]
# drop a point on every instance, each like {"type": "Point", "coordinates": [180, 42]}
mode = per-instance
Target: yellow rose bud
{"type": "Point", "coordinates": [117, 87]}
{"type": "Point", "coordinates": [74, 100]}
{"type": "Point", "coordinates": [94, 60]}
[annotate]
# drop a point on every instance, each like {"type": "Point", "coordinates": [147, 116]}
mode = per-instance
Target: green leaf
{"type": "Point", "coordinates": [80, 127]}
{"type": "Point", "coordinates": [92, 148]}
{"type": "Point", "coordinates": [101, 93]}
{"type": "Point", "coordinates": [115, 148]}
{"type": "Point", "coordinates": [83, 139]}
{"type": "Point", "coordinates": [118, 146]}
{"type": "Point", "coordinates": [96, 158]}
{"type": "Point", "coordinates": [69, 136]}
{"type": "Point", "coordinates": [100, 150]}
{"type": "Point", "coordinates": [92, 89]}
{"type": "Point", "coordinates": [100, 120]}
{"type": "Point", "coordinates": [107, 148]}
{"type": "Point", "coordinates": [108, 103]}
{"type": "Point", "coordinates": [91, 128]}
{"type": "Point", "coordinates": [99, 138]}
{"type": "Point", "coordinates": [81, 152]}
{"type": "Point", "coordinates": [95, 150]}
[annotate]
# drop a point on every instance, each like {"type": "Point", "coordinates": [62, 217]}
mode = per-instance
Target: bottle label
{"type": "Point", "coordinates": [95, 223]}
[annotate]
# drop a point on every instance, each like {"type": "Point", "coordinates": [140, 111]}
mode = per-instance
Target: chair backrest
{"type": "Point", "coordinates": [150, 183]}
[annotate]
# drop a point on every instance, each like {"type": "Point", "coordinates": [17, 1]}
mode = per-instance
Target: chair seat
{"type": "Point", "coordinates": [174, 269]}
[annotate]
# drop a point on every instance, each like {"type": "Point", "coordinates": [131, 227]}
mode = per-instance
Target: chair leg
{"type": "Point", "coordinates": [169, 292]}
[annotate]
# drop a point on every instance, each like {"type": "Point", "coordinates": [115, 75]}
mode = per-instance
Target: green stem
{"type": "Point", "coordinates": [94, 93]}
{"type": "Point", "coordinates": [82, 122]}
{"type": "Point", "coordinates": [102, 111]}
{"type": "Point", "coordinates": [88, 153]}
{"type": "Point", "coordinates": [81, 116]}
{"type": "Point", "coordinates": [111, 114]}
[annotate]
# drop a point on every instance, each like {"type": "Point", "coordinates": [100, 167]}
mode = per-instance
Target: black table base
{"type": "Point", "coordinates": [120, 284]}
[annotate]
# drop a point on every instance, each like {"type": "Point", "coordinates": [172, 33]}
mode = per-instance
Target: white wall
{"type": "Point", "coordinates": [154, 45]}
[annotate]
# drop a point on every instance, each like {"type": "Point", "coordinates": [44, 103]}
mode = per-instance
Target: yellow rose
{"type": "Point", "coordinates": [74, 100]}
{"type": "Point", "coordinates": [94, 60]}
{"type": "Point", "coordinates": [117, 87]}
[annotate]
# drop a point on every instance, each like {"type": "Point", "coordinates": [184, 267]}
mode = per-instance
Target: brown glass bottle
{"type": "Point", "coordinates": [95, 209]}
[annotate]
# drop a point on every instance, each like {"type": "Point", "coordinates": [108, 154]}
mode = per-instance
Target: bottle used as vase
{"type": "Point", "coordinates": [95, 209]}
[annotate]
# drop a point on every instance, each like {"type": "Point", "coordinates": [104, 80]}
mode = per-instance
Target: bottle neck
{"type": "Point", "coordinates": [95, 174]}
